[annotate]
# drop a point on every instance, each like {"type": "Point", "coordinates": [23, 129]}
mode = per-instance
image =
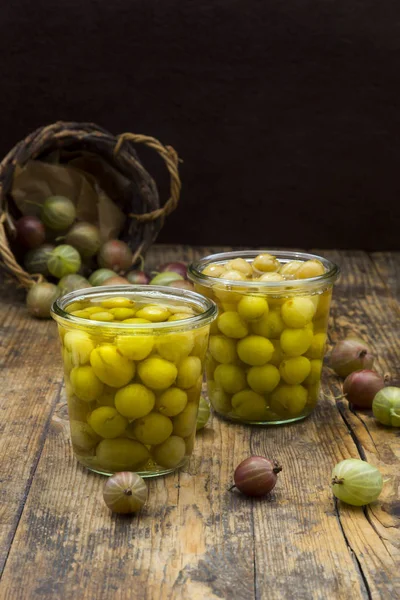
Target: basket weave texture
{"type": "Point", "coordinates": [145, 214]}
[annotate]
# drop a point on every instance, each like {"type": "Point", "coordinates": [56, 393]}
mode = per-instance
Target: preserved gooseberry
{"type": "Point", "coordinates": [115, 255]}
{"type": "Point", "coordinates": [125, 492]}
{"type": "Point", "coordinates": [171, 402]}
{"type": "Point", "coordinates": [58, 212]}
{"type": "Point", "coordinates": [63, 260]}
{"type": "Point", "coordinates": [107, 422]}
{"type": "Point", "coordinates": [265, 263]}
{"type": "Point", "coordinates": [40, 299]}
{"type": "Point", "coordinates": [157, 373]}
{"type": "Point", "coordinates": [152, 429]}
{"type": "Point", "coordinates": [121, 454]}
{"type": "Point", "coordinates": [134, 401]}
{"type": "Point", "coordinates": [356, 482]}
{"type": "Point", "coordinates": [84, 237]}
{"type": "Point", "coordinates": [111, 367]}
{"type": "Point", "coordinates": [30, 232]}
{"type": "Point", "coordinates": [170, 453]}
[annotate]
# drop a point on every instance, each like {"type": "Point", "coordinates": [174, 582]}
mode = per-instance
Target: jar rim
{"type": "Point", "coordinates": [332, 271]}
{"type": "Point", "coordinates": [147, 292]}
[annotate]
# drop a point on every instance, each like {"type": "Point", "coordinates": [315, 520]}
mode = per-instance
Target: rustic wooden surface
{"type": "Point", "coordinates": [195, 540]}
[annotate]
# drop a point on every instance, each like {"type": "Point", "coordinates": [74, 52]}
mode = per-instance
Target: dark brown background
{"type": "Point", "coordinates": [286, 113]}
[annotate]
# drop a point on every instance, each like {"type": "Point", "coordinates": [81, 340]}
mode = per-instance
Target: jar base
{"type": "Point", "coordinates": [234, 419]}
{"type": "Point", "coordinates": [157, 472]}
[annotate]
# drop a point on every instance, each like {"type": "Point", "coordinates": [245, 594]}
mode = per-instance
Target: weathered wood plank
{"type": "Point", "coordinates": [364, 305]}
{"type": "Point", "coordinates": [388, 267]}
{"type": "Point", "coordinates": [195, 539]}
{"type": "Point", "coordinates": [31, 377]}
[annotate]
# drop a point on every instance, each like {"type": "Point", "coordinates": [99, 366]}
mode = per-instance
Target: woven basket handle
{"type": "Point", "coordinates": [171, 160]}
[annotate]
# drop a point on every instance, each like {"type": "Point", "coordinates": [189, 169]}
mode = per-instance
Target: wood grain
{"type": "Point", "coordinates": [30, 381]}
{"type": "Point", "coordinates": [194, 539]}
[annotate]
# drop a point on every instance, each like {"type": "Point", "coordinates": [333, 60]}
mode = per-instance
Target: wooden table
{"type": "Point", "coordinates": [194, 539]}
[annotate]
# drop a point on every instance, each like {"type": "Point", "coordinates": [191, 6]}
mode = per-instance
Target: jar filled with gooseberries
{"type": "Point", "coordinates": [266, 347]}
{"type": "Point", "coordinates": [133, 365]}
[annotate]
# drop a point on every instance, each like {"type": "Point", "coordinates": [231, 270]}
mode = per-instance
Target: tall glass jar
{"type": "Point", "coordinates": [133, 361]}
{"type": "Point", "coordinates": [266, 348]}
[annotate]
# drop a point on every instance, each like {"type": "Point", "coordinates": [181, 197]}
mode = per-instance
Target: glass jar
{"type": "Point", "coordinates": [266, 348]}
{"type": "Point", "coordinates": [133, 361]}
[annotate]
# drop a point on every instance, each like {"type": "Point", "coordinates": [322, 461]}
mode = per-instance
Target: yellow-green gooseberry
{"type": "Point", "coordinates": [157, 373]}
{"type": "Point", "coordinates": [232, 325]}
{"type": "Point", "coordinates": [265, 263]}
{"type": "Point", "coordinates": [85, 383]}
{"type": "Point", "coordinates": [213, 270]}
{"type": "Point", "coordinates": [102, 316]}
{"type": "Point", "coordinates": [277, 355]}
{"type": "Point", "coordinates": [185, 422]}
{"type": "Point", "coordinates": [251, 308]}
{"type": "Point", "coordinates": [220, 400]}
{"type": "Point", "coordinates": [171, 402]}
{"type": "Point", "coordinates": [135, 347]}
{"type": "Point", "coordinates": [324, 304]}
{"type": "Point", "coordinates": [175, 346]}
{"type": "Point", "coordinates": [154, 313]}
{"type": "Point", "coordinates": [295, 342]}
{"type": "Point", "coordinates": [121, 454]}
{"type": "Point", "coordinates": [189, 370]}
{"type": "Point", "coordinates": [111, 367]}
{"type": "Point", "coordinates": [134, 401]}
{"type": "Point", "coordinates": [170, 453]}
{"type": "Point", "coordinates": [298, 312]}
{"type": "Point", "coordinates": [295, 370]}
{"type": "Point", "coordinates": [222, 349]}
{"type": "Point", "coordinates": [270, 325]}
{"type": "Point", "coordinates": [249, 405]}
{"type": "Point", "coordinates": [310, 268]}
{"type": "Point", "coordinates": [121, 314]}
{"type": "Point", "coordinates": [200, 343]}
{"type": "Point", "coordinates": [117, 302]}
{"type": "Point", "coordinates": [107, 422]}
{"type": "Point", "coordinates": [83, 437]}
{"type": "Point", "coordinates": [79, 345]}
{"type": "Point", "coordinates": [288, 400]}
{"type": "Point", "coordinates": [315, 372]}
{"type": "Point", "coordinates": [289, 269]}
{"type": "Point", "coordinates": [271, 277]}
{"type": "Point", "coordinates": [154, 428]}
{"type": "Point", "coordinates": [317, 347]}
{"type": "Point", "coordinates": [263, 379]}
{"type": "Point", "coordinates": [241, 265]}
{"type": "Point", "coordinates": [255, 350]}
{"type": "Point", "coordinates": [231, 378]}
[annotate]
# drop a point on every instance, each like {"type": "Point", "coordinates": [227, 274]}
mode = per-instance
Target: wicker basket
{"type": "Point", "coordinates": [143, 225]}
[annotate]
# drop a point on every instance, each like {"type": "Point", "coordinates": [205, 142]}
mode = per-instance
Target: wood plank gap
{"type": "Point", "coordinates": [42, 441]}
{"type": "Point", "coordinates": [354, 557]}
